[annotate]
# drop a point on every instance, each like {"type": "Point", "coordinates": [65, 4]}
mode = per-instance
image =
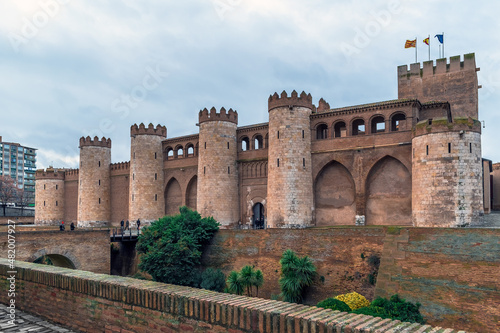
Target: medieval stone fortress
{"type": "Point", "coordinates": [413, 161]}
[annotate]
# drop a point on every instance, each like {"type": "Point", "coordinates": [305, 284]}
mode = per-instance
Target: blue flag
{"type": "Point", "coordinates": [440, 38]}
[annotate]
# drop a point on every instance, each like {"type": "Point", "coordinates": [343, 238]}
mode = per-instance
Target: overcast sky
{"type": "Point", "coordinates": [72, 68]}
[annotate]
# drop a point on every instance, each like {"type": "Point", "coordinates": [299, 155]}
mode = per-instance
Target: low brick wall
{"type": "Point", "coordinates": [453, 273]}
{"type": "Point", "coordinates": [102, 303]}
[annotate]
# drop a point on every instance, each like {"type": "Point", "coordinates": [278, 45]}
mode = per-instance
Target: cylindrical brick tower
{"type": "Point", "coordinates": [94, 204]}
{"type": "Point", "coordinates": [289, 183]}
{"type": "Point", "coordinates": [49, 199]}
{"type": "Point", "coordinates": [447, 173]}
{"type": "Point", "coordinates": [146, 197]}
{"type": "Point", "coordinates": [217, 192]}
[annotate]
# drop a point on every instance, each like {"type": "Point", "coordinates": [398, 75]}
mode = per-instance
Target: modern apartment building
{"type": "Point", "coordinates": [19, 162]}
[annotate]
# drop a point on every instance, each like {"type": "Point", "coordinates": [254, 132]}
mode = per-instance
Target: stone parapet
{"type": "Point", "coordinates": [108, 302]}
{"type": "Point", "coordinates": [213, 115]}
{"type": "Point", "coordinates": [141, 129]}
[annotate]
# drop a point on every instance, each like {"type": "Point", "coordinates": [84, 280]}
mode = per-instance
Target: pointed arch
{"type": "Point", "coordinates": [388, 193]}
{"type": "Point", "coordinates": [334, 196]}
{"type": "Point", "coordinates": [173, 197]}
{"type": "Point", "coordinates": [191, 193]}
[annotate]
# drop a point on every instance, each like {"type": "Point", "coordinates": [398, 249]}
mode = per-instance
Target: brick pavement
{"type": "Point", "coordinates": [27, 323]}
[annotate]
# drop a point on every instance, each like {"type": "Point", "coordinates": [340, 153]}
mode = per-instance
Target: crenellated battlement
{"type": "Point", "coordinates": [212, 115]}
{"type": "Point", "coordinates": [72, 172]}
{"type": "Point", "coordinates": [119, 166]}
{"type": "Point", "coordinates": [89, 142]}
{"type": "Point", "coordinates": [50, 173]}
{"type": "Point", "coordinates": [323, 106]}
{"type": "Point", "coordinates": [442, 66]}
{"type": "Point", "coordinates": [141, 129]}
{"type": "Point", "coordinates": [304, 100]}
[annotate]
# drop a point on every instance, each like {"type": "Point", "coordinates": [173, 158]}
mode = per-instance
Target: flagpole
{"type": "Point", "coordinates": [429, 39]}
{"type": "Point", "coordinates": [416, 47]}
{"type": "Point", "coordinates": [443, 45]}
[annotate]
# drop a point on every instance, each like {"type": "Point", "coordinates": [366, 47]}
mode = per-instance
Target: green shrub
{"type": "Point", "coordinates": [374, 311]}
{"type": "Point", "coordinates": [296, 275]}
{"type": "Point", "coordinates": [395, 308]}
{"type": "Point", "coordinates": [213, 279]}
{"type": "Point", "coordinates": [334, 304]}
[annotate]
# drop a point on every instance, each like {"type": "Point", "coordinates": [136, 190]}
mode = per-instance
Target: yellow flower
{"type": "Point", "coordinates": [354, 300]}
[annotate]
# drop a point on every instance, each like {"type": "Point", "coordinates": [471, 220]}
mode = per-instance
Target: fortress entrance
{"type": "Point", "coordinates": [258, 216]}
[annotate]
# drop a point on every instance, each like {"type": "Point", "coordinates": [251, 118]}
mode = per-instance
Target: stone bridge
{"type": "Point", "coordinates": [86, 250]}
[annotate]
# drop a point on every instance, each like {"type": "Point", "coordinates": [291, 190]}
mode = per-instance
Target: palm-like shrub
{"type": "Point", "coordinates": [296, 274]}
{"type": "Point", "coordinates": [245, 279]}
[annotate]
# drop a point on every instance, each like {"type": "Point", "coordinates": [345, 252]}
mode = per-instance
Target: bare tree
{"type": "Point", "coordinates": [8, 191]}
{"type": "Point", "coordinates": [23, 199]}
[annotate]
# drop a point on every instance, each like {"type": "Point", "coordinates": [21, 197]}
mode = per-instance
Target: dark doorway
{"type": "Point", "coordinates": [258, 216]}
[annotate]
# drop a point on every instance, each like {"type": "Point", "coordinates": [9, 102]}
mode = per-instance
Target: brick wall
{"type": "Point", "coordinates": [496, 186]}
{"type": "Point", "coordinates": [102, 303]}
{"type": "Point", "coordinates": [453, 273]}
{"type": "Point", "coordinates": [85, 250]}
{"type": "Point", "coordinates": [336, 253]}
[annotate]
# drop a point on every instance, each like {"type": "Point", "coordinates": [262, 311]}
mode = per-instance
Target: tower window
{"type": "Point", "coordinates": [278, 134]}
{"type": "Point", "coordinates": [44, 203]}
{"type": "Point", "coordinates": [57, 186]}
{"type": "Point", "coordinates": [156, 176]}
{"type": "Point", "coordinates": [133, 176]}
{"type": "Point", "coordinates": [303, 134]}
{"type": "Point", "coordinates": [278, 162]}
{"type": "Point", "coordinates": [132, 197]}
{"type": "Point", "coordinates": [470, 148]}
{"type": "Point", "coordinates": [427, 150]}
{"type": "Point", "coordinates": [205, 145]}
{"type": "Point", "coordinates": [156, 197]}
{"type": "Point", "coordinates": [44, 186]}
{"type": "Point", "coordinates": [99, 201]}
{"type": "Point", "coordinates": [304, 162]}
{"type": "Point", "coordinates": [228, 145]}
{"type": "Point", "coordinates": [134, 155]}
{"type": "Point", "coordinates": [56, 204]}
{"type": "Point", "coordinates": [228, 170]}
{"type": "Point", "coordinates": [99, 182]}
{"type": "Point", "coordinates": [155, 155]}
{"type": "Point", "coordinates": [204, 170]}
{"type": "Point", "coordinates": [99, 164]}
{"type": "Point", "coordinates": [449, 147]}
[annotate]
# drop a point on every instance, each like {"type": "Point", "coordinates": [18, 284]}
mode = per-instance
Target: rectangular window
{"type": "Point", "coordinates": [228, 145]}
{"type": "Point", "coordinates": [132, 197]}
{"type": "Point", "coordinates": [57, 187]}
{"type": "Point", "coordinates": [427, 150]}
{"type": "Point", "coordinates": [470, 148]}
{"type": "Point", "coordinates": [204, 170]}
{"type": "Point", "coordinates": [205, 145]}
{"type": "Point", "coordinates": [303, 134]}
{"type": "Point", "coordinates": [304, 162]}
{"type": "Point", "coordinates": [56, 204]}
{"type": "Point", "coordinates": [156, 176]}
{"type": "Point", "coordinates": [228, 170]}
{"type": "Point", "coordinates": [99, 182]}
{"type": "Point", "coordinates": [155, 156]}
{"type": "Point", "coordinates": [449, 147]}
{"type": "Point", "coordinates": [278, 134]}
{"type": "Point", "coordinates": [99, 201]}
{"type": "Point", "coordinates": [156, 197]}
{"type": "Point", "coordinates": [278, 162]}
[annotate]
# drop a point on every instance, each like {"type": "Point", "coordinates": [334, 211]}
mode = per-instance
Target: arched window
{"type": "Point", "coordinates": [398, 122]}
{"type": "Point", "coordinates": [258, 142]}
{"type": "Point", "coordinates": [322, 132]}
{"type": "Point", "coordinates": [245, 144]}
{"type": "Point", "coordinates": [340, 130]}
{"type": "Point", "coordinates": [190, 150]}
{"type": "Point", "coordinates": [378, 125]}
{"type": "Point", "coordinates": [169, 153]}
{"type": "Point", "coordinates": [180, 152]}
{"type": "Point", "coordinates": [358, 127]}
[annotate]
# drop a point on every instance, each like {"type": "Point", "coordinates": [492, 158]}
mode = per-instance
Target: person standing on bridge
{"type": "Point", "coordinates": [138, 225]}
{"type": "Point", "coordinates": [121, 225]}
{"type": "Point", "coordinates": [72, 226]}
{"type": "Point", "coordinates": [127, 225]}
